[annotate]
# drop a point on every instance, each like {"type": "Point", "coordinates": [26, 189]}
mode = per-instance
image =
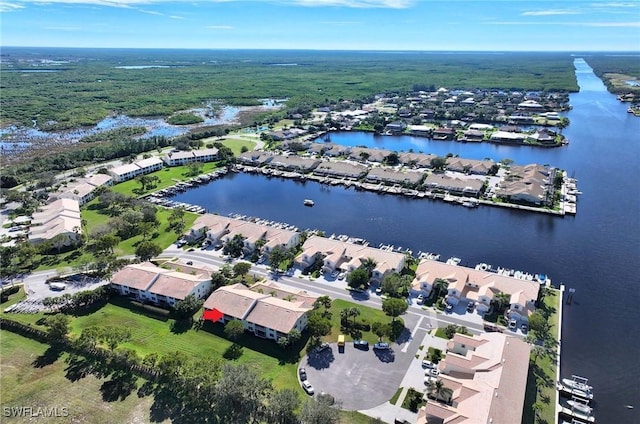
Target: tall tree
{"type": "Point", "coordinates": [240, 395]}
{"type": "Point", "coordinates": [323, 301]}
{"type": "Point", "coordinates": [147, 249]}
{"type": "Point", "coordinates": [58, 328]}
{"type": "Point", "coordinates": [317, 412]}
{"type": "Point", "coordinates": [394, 307]}
{"type": "Point", "coordinates": [241, 269]}
{"type": "Point", "coordinates": [234, 329]}
{"type": "Point", "coordinates": [282, 406]}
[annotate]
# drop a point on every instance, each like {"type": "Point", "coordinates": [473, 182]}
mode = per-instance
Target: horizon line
{"type": "Point", "coordinates": [635, 52]}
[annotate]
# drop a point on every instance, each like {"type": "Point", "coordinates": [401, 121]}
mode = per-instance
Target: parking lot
{"type": "Point", "coordinates": [360, 379]}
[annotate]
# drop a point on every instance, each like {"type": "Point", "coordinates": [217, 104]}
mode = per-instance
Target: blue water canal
{"type": "Point", "coordinates": [596, 252]}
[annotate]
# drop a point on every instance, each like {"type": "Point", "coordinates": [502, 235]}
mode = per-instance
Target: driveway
{"type": "Point", "coordinates": [360, 379]}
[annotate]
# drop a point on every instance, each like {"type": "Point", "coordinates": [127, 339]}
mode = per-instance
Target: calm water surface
{"type": "Point", "coordinates": [596, 252]}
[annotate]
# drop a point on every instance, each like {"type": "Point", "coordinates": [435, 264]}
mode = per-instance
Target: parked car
{"type": "Point", "coordinates": [381, 346]}
{"type": "Point", "coordinates": [189, 262]}
{"type": "Point", "coordinates": [378, 290]}
{"type": "Point", "coordinates": [303, 374]}
{"type": "Point", "coordinates": [471, 306]}
{"type": "Point", "coordinates": [307, 387]}
{"type": "Point", "coordinates": [432, 372]}
{"type": "Point", "coordinates": [429, 380]}
{"type": "Point", "coordinates": [513, 324]}
{"type": "Point", "coordinates": [341, 276]}
{"type": "Point", "coordinates": [361, 344]}
{"type": "Point", "coordinates": [323, 346]}
{"type": "Point", "coordinates": [448, 307]}
{"type": "Point", "coordinates": [335, 274]}
{"type": "Point", "coordinates": [524, 327]}
{"type": "Point", "coordinates": [428, 364]}
{"type": "Point", "coordinates": [420, 299]}
{"type": "Point", "coordinates": [488, 327]}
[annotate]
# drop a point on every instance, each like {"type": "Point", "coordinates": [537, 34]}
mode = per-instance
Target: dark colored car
{"type": "Point", "coordinates": [361, 344]}
{"type": "Point", "coordinates": [303, 374]}
{"type": "Point", "coordinates": [381, 346]}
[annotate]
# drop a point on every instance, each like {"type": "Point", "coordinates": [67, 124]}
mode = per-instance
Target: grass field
{"type": "Point", "coordinates": [29, 378]}
{"type": "Point", "coordinates": [366, 313]}
{"type": "Point", "coordinates": [168, 177]}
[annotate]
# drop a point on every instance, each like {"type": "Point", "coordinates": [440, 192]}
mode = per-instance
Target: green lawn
{"type": "Point", "coordinates": [237, 143]}
{"type": "Point", "coordinates": [30, 378]}
{"type": "Point", "coordinates": [168, 177]}
{"type": "Point", "coordinates": [95, 218]}
{"type": "Point", "coordinates": [542, 373]}
{"type": "Point", "coordinates": [156, 334]}
{"type": "Point", "coordinates": [366, 313]}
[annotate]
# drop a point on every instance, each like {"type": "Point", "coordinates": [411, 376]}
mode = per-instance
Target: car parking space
{"type": "Point", "coordinates": [358, 378]}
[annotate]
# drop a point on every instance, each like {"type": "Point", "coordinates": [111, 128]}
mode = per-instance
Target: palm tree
{"type": "Point", "coordinates": [344, 315]}
{"type": "Point", "coordinates": [440, 285]}
{"type": "Point", "coordinates": [369, 265]}
{"type": "Point", "coordinates": [440, 391]}
{"type": "Point", "coordinates": [501, 301]}
{"type": "Point", "coordinates": [354, 312]}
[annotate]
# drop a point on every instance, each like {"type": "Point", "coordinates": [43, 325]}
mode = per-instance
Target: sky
{"type": "Point", "coordinates": [427, 25]}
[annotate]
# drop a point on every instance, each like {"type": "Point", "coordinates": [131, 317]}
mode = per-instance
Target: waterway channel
{"type": "Point", "coordinates": [596, 252]}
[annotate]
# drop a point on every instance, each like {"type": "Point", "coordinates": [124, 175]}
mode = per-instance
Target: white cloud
{"type": "Point", "coordinates": [10, 7]}
{"type": "Point", "coordinates": [176, 17]}
{"type": "Point", "coordinates": [619, 4]}
{"type": "Point", "coordinates": [220, 27]}
{"type": "Point", "coordinates": [551, 12]}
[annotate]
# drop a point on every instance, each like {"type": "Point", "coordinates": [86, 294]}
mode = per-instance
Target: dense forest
{"type": "Point", "coordinates": [606, 64]}
{"type": "Point", "coordinates": [70, 88]}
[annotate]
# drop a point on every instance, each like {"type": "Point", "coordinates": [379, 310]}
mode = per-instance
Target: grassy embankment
{"type": "Point", "coordinates": [541, 387]}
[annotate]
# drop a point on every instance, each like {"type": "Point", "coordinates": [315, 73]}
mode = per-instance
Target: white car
{"type": "Point", "coordinates": [432, 372]}
{"type": "Point", "coordinates": [430, 380]}
{"type": "Point", "coordinates": [335, 274]}
{"type": "Point", "coordinates": [341, 276]}
{"type": "Point", "coordinates": [307, 387]}
{"type": "Point", "coordinates": [420, 299]}
{"type": "Point", "coordinates": [428, 364]}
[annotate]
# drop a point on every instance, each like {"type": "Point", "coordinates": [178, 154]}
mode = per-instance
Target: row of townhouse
{"type": "Point", "coordinates": [471, 285]}
{"type": "Point", "coordinates": [531, 184]}
{"type": "Point", "coordinates": [153, 164]}
{"type": "Point", "coordinates": [487, 376]}
{"type": "Point", "coordinates": [266, 309]}
{"type": "Point", "coordinates": [59, 220]}
{"type": "Point", "coordinates": [219, 229]}
{"type": "Point", "coordinates": [84, 190]}
{"type": "Point", "coordinates": [164, 287]}
{"type": "Point", "coordinates": [366, 154]}
{"type": "Point", "coordinates": [132, 170]}
{"type": "Point", "coordinates": [343, 256]}
{"type": "Point", "coordinates": [186, 157]}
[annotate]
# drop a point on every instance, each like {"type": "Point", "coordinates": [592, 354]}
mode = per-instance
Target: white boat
{"type": "Point", "coordinates": [309, 202]}
{"type": "Point", "coordinates": [583, 394]}
{"type": "Point", "coordinates": [579, 383]}
{"type": "Point", "coordinates": [580, 407]}
{"type": "Point", "coordinates": [453, 261]}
